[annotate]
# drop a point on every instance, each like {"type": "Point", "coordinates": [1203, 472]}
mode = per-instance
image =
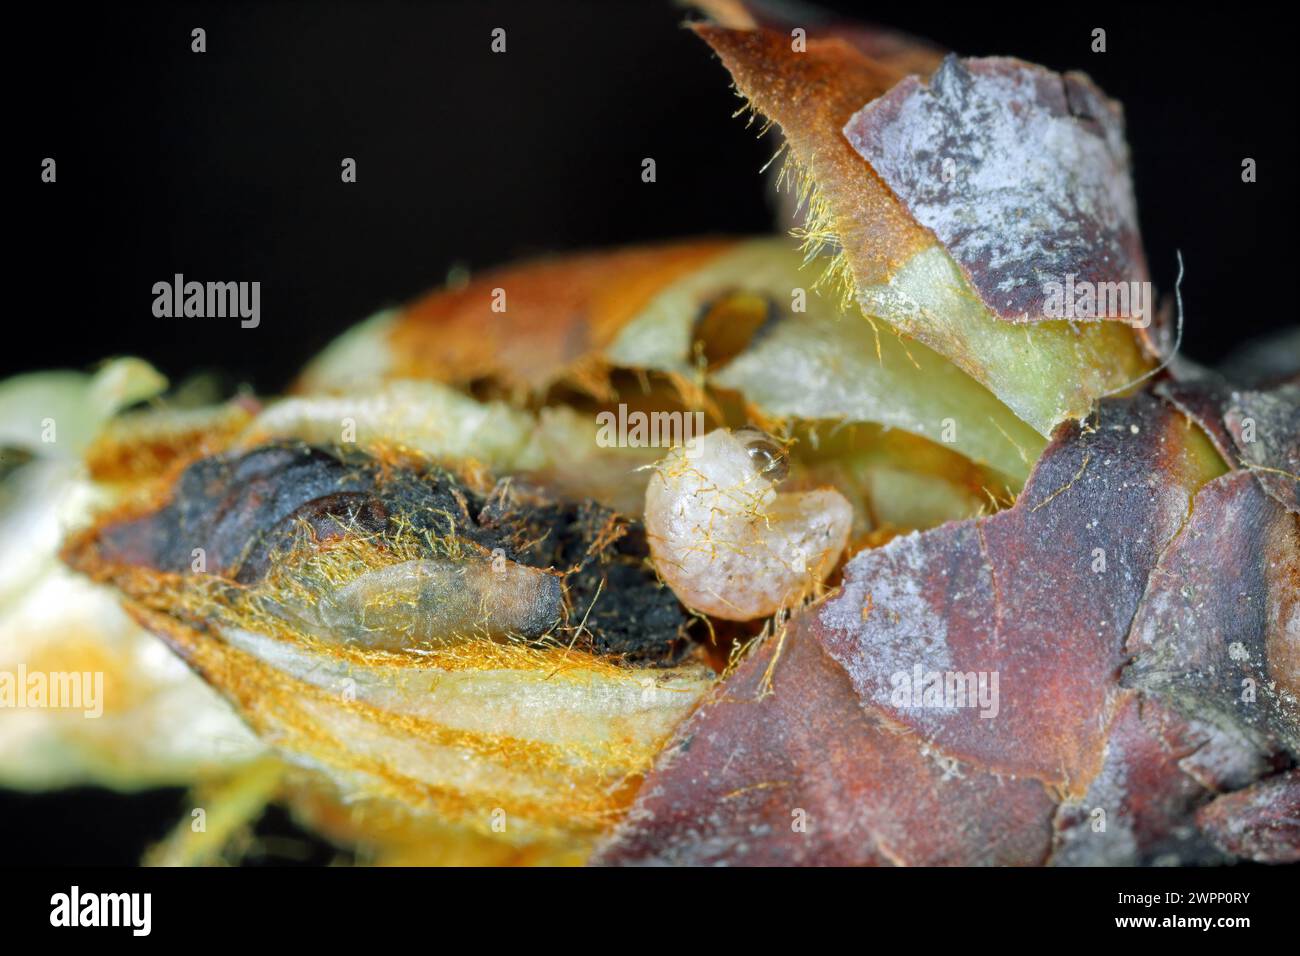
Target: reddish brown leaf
{"type": "Point", "coordinates": [1218, 633]}
{"type": "Point", "coordinates": [748, 766]}
{"type": "Point", "coordinates": [895, 48]}
{"type": "Point", "coordinates": [1260, 823]}
{"type": "Point", "coordinates": [1139, 807]}
{"type": "Point", "coordinates": [810, 95]}
{"type": "Point", "coordinates": [1017, 594]}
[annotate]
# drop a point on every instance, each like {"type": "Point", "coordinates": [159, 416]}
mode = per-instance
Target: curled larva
{"type": "Point", "coordinates": [726, 541]}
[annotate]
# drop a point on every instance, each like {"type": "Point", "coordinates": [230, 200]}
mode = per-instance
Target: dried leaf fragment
{"type": "Point", "coordinates": [1021, 173]}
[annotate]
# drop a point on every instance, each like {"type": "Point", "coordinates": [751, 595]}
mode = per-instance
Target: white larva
{"type": "Point", "coordinates": [726, 541]}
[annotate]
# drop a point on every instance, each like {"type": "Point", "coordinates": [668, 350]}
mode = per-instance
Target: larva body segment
{"type": "Point", "coordinates": [727, 542]}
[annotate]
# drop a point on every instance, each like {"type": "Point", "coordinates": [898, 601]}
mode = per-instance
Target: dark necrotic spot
{"type": "Point", "coordinates": [244, 510]}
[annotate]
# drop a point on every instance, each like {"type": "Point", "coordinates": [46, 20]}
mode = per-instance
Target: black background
{"type": "Point", "coordinates": [225, 166]}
